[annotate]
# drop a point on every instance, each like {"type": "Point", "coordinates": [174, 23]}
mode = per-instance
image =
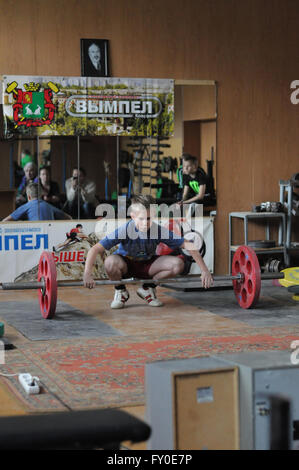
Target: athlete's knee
{"type": "Point", "coordinates": [177, 266]}
{"type": "Point", "coordinates": [113, 265]}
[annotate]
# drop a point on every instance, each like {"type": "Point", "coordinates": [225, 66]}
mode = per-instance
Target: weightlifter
{"type": "Point", "coordinates": [135, 256]}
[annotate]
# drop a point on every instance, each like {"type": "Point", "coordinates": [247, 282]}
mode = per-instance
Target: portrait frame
{"type": "Point", "coordinates": [89, 56]}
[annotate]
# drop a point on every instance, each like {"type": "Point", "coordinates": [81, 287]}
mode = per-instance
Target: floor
{"type": "Point", "coordinates": [191, 313]}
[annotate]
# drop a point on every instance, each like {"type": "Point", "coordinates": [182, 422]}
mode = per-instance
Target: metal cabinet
{"type": "Point", "coordinates": [266, 377]}
{"type": "Point", "coordinates": [224, 402]}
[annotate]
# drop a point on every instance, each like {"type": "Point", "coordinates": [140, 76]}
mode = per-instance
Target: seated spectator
{"type": "Point", "coordinates": [30, 176]}
{"type": "Point", "coordinates": [49, 190]}
{"type": "Point", "coordinates": [36, 209]}
{"type": "Point", "coordinates": [194, 183]}
{"type": "Point", "coordinates": [80, 190]}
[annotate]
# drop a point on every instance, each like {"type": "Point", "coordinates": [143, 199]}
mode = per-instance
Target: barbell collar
{"type": "Point", "coordinates": [22, 285]}
{"type": "Point", "coordinates": [270, 276]}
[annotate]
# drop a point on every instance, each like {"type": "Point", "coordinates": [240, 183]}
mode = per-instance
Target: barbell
{"type": "Point", "coordinates": [246, 277]}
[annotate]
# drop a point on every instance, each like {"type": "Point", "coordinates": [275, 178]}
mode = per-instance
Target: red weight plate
{"type": "Point", "coordinates": [174, 226]}
{"type": "Point", "coordinates": [163, 249]}
{"type": "Point", "coordinates": [248, 290]}
{"type": "Point", "coordinates": [48, 297]}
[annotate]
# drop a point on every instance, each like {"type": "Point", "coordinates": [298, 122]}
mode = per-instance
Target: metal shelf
{"type": "Point", "coordinates": [287, 187]}
{"type": "Point", "coordinates": [247, 216]}
{"type": "Point", "coordinates": [274, 249]}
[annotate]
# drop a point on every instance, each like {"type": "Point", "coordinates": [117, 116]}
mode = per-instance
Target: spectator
{"type": "Point", "coordinates": [30, 176]}
{"type": "Point", "coordinates": [194, 183]}
{"type": "Point", "coordinates": [36, 209]}
{"type": "Point", "coordinates": [49, 190]}
{"type": "Point", "coordinates": [79, 189]}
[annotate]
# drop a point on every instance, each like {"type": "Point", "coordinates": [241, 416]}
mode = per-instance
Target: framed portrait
{"type": "Point", "coordinates": [94, 58]}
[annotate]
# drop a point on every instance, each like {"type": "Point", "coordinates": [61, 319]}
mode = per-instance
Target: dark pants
{"type": "Point", "coordinates": [86, 209]}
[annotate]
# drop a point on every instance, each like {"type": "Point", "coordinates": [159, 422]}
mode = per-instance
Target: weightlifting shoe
{"type": "Point", "coordinates": [120, 298]}
{"type": "Point", "coordinates": [149, 295]}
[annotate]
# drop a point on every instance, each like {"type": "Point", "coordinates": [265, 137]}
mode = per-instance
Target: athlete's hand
{"type": "Point", "coordinates": [88, 281]}
{"type": "Point", "coordinates": [206, 279]}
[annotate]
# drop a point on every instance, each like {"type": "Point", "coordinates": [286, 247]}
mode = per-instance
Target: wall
{"type": "Point", "coordinates": [249, 47]}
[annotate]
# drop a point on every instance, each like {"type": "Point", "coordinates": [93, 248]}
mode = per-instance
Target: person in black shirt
{"type": "Point", "coordinates": [194, 182]}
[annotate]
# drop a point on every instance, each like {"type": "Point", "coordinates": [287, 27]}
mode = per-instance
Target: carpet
{"type": "Point", "coordinates": [109, 371]}
{"type": "Point", "coordinates": [68, 322]}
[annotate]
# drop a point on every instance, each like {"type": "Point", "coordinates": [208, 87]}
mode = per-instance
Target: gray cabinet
{"type": "Point", "coordinates": [265, 376]}
{"type": "Point", "coordinates": [224, 402]}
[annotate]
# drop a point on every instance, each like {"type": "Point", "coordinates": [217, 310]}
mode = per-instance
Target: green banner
{"type": "Point", "coordinates": [47, 106]}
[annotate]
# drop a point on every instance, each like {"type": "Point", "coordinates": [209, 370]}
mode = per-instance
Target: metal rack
{"type": "Point", "coordinates": [267, 216]}
{"type": "Point", "coordinates": [149, 164]}
{"type": "Point", "coordinates": [286, 188]}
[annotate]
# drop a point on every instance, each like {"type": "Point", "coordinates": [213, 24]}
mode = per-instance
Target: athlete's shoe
{"type": "Point", "coordinates": [149, 295]}
{"type": "Point", "coordinates": [120, 298]}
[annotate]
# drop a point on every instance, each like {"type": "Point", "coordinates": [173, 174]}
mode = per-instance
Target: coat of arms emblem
{"type": "Point", "coordinates": [33, 107]}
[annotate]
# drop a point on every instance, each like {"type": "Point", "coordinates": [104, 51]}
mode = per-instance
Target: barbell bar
{"type": "Point", "coordinates": [102, 282]}
{"type": "Point", "coordinates": [246, 277]}
{"type": "Point", "coordinates": [31, 285]}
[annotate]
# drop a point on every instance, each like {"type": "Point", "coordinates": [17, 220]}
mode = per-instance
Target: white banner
{"type": "Point", "coordinates": [22, 243]}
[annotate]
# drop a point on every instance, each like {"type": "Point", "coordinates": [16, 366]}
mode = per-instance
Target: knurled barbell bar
{"type": "Point", "coordinates": [246, 277]}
